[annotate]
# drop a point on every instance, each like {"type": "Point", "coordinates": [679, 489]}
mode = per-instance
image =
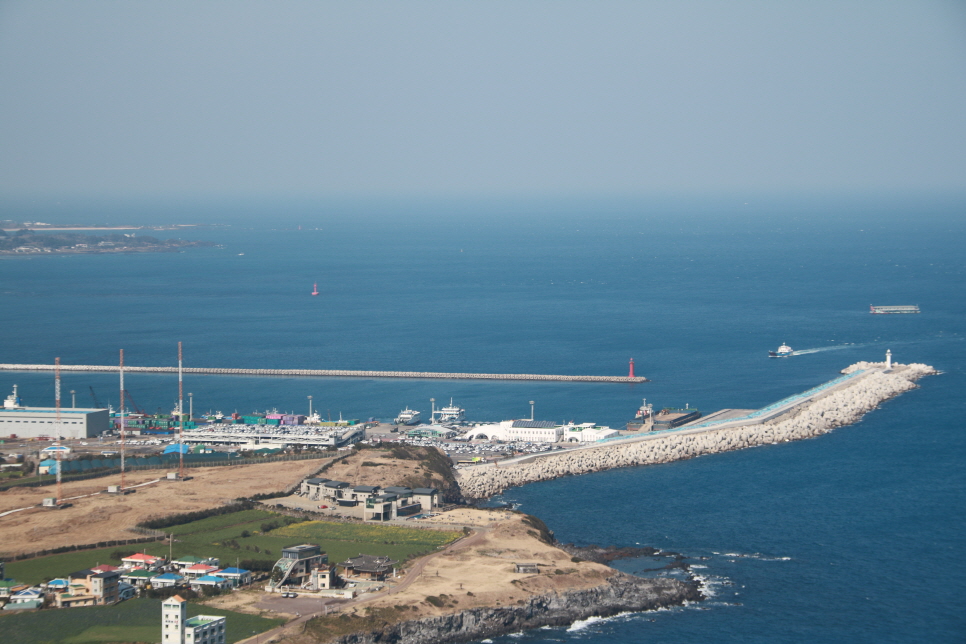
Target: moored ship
{"type": "Point", "coordinates": [885, 310]}
{"type": "Point", "coordinates": [407, 417]}
{"type": "Point", "coordinates": [783, 352]}
{"type": "Point", "coordinates": [643, 419]}
{"type": "Point", "coordinates": [451, 415]}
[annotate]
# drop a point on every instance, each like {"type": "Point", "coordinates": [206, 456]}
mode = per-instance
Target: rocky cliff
{"type": "Point", "coordinates": [622, 593]}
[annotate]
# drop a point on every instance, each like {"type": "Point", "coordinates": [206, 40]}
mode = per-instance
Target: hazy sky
{"type": "Point", "coordinates": [318, 98]}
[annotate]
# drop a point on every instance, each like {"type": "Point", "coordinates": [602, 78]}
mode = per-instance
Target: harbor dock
{"type": "Point", "coordinates": [327, 373]}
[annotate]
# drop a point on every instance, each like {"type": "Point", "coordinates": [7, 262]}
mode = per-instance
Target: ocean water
{"type": "Point", "coordinates": [853, 536]}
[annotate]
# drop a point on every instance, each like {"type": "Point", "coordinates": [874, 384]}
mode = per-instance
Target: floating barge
{"type": "Point", "coordinates": [884, 310]}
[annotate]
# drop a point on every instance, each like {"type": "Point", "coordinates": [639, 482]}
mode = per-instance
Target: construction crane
{"type": "Point", "coordinates": [97, 405]}
{"type": "Point", "coordinates": [134, 405]}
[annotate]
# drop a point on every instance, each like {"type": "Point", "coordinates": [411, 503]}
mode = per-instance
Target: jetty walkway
{"type": "Point", "coordinates": [325, 373]}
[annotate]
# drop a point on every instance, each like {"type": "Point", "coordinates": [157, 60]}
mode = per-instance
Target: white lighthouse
{"type": "Point", "coordinates": [888, 359]}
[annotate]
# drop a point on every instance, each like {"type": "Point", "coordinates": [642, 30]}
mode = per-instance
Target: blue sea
{"type": "Point", "coordinates": [855, 536]}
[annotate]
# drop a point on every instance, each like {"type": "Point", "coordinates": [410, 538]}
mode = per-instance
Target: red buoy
{"type": "Point", "coordinates": [631, 374]}
{"type": "Point", "coordinates": [315, 289]}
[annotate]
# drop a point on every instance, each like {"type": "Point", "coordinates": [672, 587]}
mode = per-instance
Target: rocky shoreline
{"type": "Point", "coordinates": [836, 407]}
{"type": "Point", "coordinates": [622, 593]}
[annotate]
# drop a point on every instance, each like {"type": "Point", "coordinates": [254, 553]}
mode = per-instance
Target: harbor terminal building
{"type": "Point", "coordinates": [46, 422]}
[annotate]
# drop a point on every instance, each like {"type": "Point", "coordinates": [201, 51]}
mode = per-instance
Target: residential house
{"type": "Point", "coordinates": [370, 567]}
{"type": "Point", "coordinates": [139, 578]}
{"type": "Point", "coordinates": [235, 576]}
{"type": "Point", "coordinates": [167, 580]}
{"type": "Point", "coordinates": [296, 565]}
{"type": "Point", "coordinates": [209, 581]}
{"type": "Point", "coordinates": [27, 599]}
{"type": "Point", "coordinates": [199, 570]}
{"type": "Point", "coordinates": [143, 561]}
{"type": "Point", "coordinates": [89, 588]}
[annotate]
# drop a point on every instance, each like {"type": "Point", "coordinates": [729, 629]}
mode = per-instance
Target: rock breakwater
{"type": "Point", "coordinates": [622, 593]}
{"type": "Point", "coordinates": [838, 406]}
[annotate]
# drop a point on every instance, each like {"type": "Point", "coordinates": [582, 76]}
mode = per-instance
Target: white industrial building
{"type": "Point", "coordinates": [540, 431]}
{"type": "Point", "coordinates": [47, 422]}
{"type": "Point", "coordinates": [533, 431]}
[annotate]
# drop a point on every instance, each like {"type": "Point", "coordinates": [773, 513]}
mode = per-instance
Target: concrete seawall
{"type": "Point", "coordinates": [325, 373]}
{"type": "Point", "coordinates": [836, 406]}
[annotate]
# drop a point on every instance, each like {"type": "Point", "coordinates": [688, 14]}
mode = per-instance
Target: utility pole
{"type": "Point", "coordinates": [59, 426]}
{"type": "Point", "coordinates": [180, 418]}
{"type": "Point", "coordinates": [121, 425]}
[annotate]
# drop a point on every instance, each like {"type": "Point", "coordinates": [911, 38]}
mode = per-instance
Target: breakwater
{"type": "Point", "coordinates": [622, 593]}
{"type": "Point", "coordinates": [826, 408]}
{"type": "Point", "coordinates": [325, 373]}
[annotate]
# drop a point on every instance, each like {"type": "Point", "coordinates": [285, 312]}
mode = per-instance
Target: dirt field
{"type": "Point", "coordinates": [104, 517]}
{"type": "Point", "coordinates": [485, 566]}
{"type": "Point", "coordinates": [382, 470]}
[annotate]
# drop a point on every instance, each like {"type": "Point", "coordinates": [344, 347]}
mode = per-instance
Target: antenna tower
{"type": "Point", "coordinates": [121, 370]}
{"type": "Point", "coordinates": [59, 427]}
{"type": "Point", "coordinates": [180, 418]}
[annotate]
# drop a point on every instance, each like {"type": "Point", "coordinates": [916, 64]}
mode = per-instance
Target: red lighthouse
{"type": "Point", "coordinates": [631, 374]}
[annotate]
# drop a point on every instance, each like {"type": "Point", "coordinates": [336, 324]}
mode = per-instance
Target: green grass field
{"type": "Point", "coordinates": [208, 537]}
{"type": "Point", "coordinates": [136, 620]}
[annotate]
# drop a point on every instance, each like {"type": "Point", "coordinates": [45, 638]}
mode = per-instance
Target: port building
{"type": "Point", "coordinates": [46, 422]}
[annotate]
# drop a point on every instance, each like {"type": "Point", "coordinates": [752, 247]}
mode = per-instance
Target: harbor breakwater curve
{"type": "Point", "coordinates": [326, 373]}
{"type": "Point", "coordinates": [841, 402]}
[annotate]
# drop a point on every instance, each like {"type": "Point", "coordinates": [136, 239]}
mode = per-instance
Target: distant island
{"type": "Point", "coordinates": [30, 242]}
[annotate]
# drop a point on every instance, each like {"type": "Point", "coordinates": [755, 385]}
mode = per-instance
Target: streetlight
{"type": "Point", "coordinates": [310, 406]}
{"type": "Point", "coordinates": [531, 410]}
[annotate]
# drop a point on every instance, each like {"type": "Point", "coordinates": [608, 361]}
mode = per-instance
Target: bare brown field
{"type": "Point", "coordinates": [106, 517]}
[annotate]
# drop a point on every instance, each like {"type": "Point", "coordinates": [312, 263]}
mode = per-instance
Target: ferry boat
{"type": "Point", "coordinates": [452, 415]}
{"type": "Point", "coordinates": [783, 352]}
{"type": "Point", "coordinates": [407, 417]}
{"type": "Point", "coordinates": [883, 310]}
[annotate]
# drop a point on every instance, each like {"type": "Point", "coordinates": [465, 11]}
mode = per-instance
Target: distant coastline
{"type": "Point", "coordinates": [53, 241]}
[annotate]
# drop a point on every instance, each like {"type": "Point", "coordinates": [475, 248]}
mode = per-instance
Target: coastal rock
{"type": "Point", "coordinates": [836, 407]}
{"type": "Point", "coordinates": [622, 593]}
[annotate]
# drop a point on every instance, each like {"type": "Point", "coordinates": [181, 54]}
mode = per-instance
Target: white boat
{"type": "Point", "coordinates": [407, 417]}
{"type": "Point", "coordinates": [783, 352]}
{"type": "Point", "coordinates": [452, 415]}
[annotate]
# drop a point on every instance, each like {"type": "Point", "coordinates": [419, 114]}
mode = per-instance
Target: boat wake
{"type": "Point", "coordinates": [838, 347]}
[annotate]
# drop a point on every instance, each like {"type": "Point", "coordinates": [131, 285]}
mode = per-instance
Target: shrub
{"type": "Point", "coordinates": [435, 601]}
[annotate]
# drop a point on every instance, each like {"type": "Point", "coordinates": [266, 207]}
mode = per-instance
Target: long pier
{"type": "Point", "coordinates": [325, 373]}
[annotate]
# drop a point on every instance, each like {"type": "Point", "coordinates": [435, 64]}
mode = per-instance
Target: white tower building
{"type": "Point", "coordinates": [174, 612]}
{"type": "Point", "coordinates": [176, 628]}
